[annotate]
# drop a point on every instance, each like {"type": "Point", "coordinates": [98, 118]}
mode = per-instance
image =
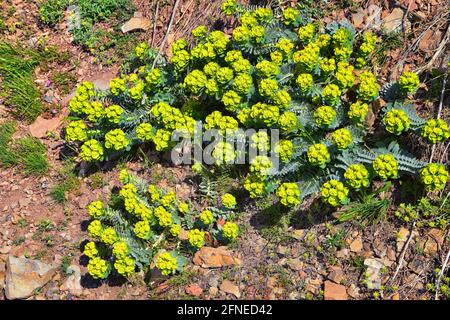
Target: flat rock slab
{"type": "Point", "coordinates": [24, 276]}
{"type": "Point", "coordinates": [41, 126]}
{"type": "Point", "coordinates": [334, 291]}
{"type": "Point", "coordinates": [208, 257]}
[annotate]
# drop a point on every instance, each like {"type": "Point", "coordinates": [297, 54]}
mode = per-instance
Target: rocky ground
{"type": "Point", "coordinates": [311, 258]}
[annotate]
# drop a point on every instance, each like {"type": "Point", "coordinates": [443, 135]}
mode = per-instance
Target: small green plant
{"type": "Point", "coordinates": [145, 221]}
{"type": "Point", "coordinates": [68, 181]}
{"type": "Point", "coordinates": [277, 71]}
{"type": "Point", "coordinates": [27, 152]}
{"type": "Point", "coordinates": [64, 81]}
{"type": "Point", "coordinates": [19, 91]}
{"type": "Point", "coordinates": [52, 11]}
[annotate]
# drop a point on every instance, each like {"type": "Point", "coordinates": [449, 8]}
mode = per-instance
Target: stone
{"type": "Point", "coordinates": [194, 290]}
{"type": "Point", "coordinates": [2, 275]}
{"type": "Point", "coordinates": [209, 257]}
{"type": "Point", "coordinates": [394, 21]}
{"type": "Point", "coordinates": [373, 273]}
{"type": "Point", "coordinates": [353, 291]}
{"type": "Point", "coordinates": [431, 246]}
{"type": "Point", "coordinates": [41, 126]}
{"type": "Point", "coordinates": [356, 245]}
{"type": "Point", "coordinates": [333, 291]}
{"type": "Point", "coordinates": [341, 254]}
{"type": "Point", "coordinates": [298, 234]}
{"type": "Point", "coordinates": [295, 264]}
{"type": "Point", "coordinates": [229, 287]}
{"type": "Point", "coordinates": [336, 275]}
{"type": "Point", "coordinates": [24, 276]}
{"type": "Point", "coordinates": [138, 22]}
{"type": "Point", "coordinates": [213, 291]}
{"type": "Point", "coordinates": [101, 81]}
{"type": "Point", "coordinates": [358, 18]}
{"type": "Point", "coordinates": [73, 282]}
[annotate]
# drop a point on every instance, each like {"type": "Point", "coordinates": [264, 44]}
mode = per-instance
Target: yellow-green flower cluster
{"type": "Point", "coordinates": [357, 176]}
{"type": "Point", "coordinates": [267, 114]}
{"type": "Point", "coordinates": [318, 154]}
{"type": "Point", "coordinates": [327, 65]}
{"type": "Point", "coordinates": [242, 83]}
{"type": "Point", "coordinates": [289, 194]}
{"type": "Point", "coordinates": [231, 100]}
{"type": "Point", "coordinates": [334, 192]}
{"type": "Point", "coordinates": [385, 166]}
{"type": "Point", "coordinates": [136, 92]}
{"type": "Point", "coordinates": [268, 87]}
{"type": "Point", "coordinates": [260, 166]}
{"type": "Point", "coordinates": [117, 86]}
{"type": "Point", "coordinates": [199, 32]}
{"type": "Point", "coordinates": [255, 186]}
{"type": "Point", "coordinates": [206, 217]}
{"type": "Point", "coordinates": [306, 33]}
{"type": "Point", "coordinates": [166, 263]}
{"type": "Point", "coordinates": [95, 229]}
{"type": "Point", "coordinates": [169, 199]}
{"type": "Point", "coordinates": [324, 116]}
{"type": "Point", "coordinates": [288, 121]}
{"type": "Point", "coordinates": [285, 46]}
{"type": "Point", "coordinates": [125, 266]}
{"type": "Point", "coordinates": [216, 120]}
{"type": "Point", "coordinates": [358, 111]}
{"type": "Point", "coordinates": [366, 48]}
{"type": "Point", "coordinates": [181, 59]}
{"type": "Point", "coordinates": [435, 130]}
{"type": "Point", "coordinates": [282, 99]}
{"type": "Point", "coordinates": [76, 131]}
{"type": "Point", "coordinates": [116, 140]}
{"type": "Point", "coordinates": [195, 81]}
{"type": "Point", "coordinates": [223, 153]}
{"type": "Point", "coordinates": [154, 193]}
{"type": "Point", "coordinates": [342, 138]}
{"type": "Point", "coordinates": [113, 113]}
{"type": "Point", "coordinates": [183, 207]}
{"type": "Point", "coordinates": [305, 82]}
{"type": "Point", "coordinates": [175, 229]}
{"type": "Point", "coordinates": [144, 131]}
{"type": "Point", "coordinates": [230, 230]}
{"type": "Point", "coordinates": [228, 201]}
{"type": "Point", "coordinates": [120, 250]}
{"type": "Point", "coordinates": [153, 77]}
{"type": "Point", "coordinates": [341, 37]}
{"type": "Point", "coordinates": [164, 217]}
{"type": "Point", "coordinates": [263, 14]}
{"type": "Point", "coordinates": [290, 16]}
{"type": "Point", "coordinates": [307, 58]}
{"type": "Point", "coordinates": [368, 87]}
{"type": "Point", "coordinates": [224, 75]}
{"type": "Point", "coordinates": [260, 141]}
{"type": "Point", "coordinates": [162, 139]}
{"type": "Point", "coordinates": [140, 50]}
{"type": "Point", "coordinates": [84, 92]}
{"type": "Point", "coordinates": [277, 57]}
{"type": "Point", "coordinates": [409, 82]}
{"type": "Point", "coordinates": [241, 34]}
{"type": "Point", "coordinates": [95, 209]}
{"type": "Point", "coordinates": [434, 176]}
{"type": "Point", "coordinates": [331, 94]}
{"type": "Point", "coordinates": [128, 191]}
{"type": "Point", "coordinates": [267, 69]}
{"type": "Point", "coordinates": [109, 236]}
{"type": "Point", "coordinates": [90, 250]}
{"type": "Point", "coordinates": [91, 150]}
{"type": "Point", "coordinates": [142, 229]}
{"type": "Point", "coordinates": [94, 111]}
{"type": "Point", "coordinates": [344, 75]}
{"type": "Point", "coordinates": [196, 238]}
{"type": "Point", "coordinates": [284, 149]}
{"type": "Point", "coordinates": [98, 268]}
{"type": "Point", "coordinates": [396, 121]}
